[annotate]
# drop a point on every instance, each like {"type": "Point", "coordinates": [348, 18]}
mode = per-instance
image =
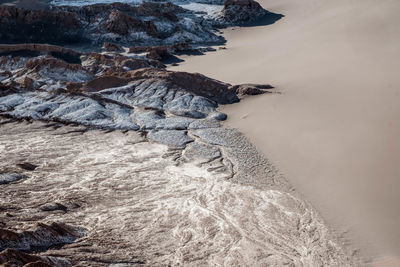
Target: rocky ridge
{"type": "Point", "coordinates": [149, 23]}
{"type": "Point", "coordinates": [114, 92]}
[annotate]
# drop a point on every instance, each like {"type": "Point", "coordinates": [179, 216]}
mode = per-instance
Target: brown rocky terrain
{"type": "Point", "coordinates": [133, 86]}
{"type": "Point", "coordinates": [242, 11]}
{"type": "Point", "coordinates": [150, 23]}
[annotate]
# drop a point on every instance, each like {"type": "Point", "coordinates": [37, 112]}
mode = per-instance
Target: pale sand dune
{"type": "Point", "coordinates": [334, 131]}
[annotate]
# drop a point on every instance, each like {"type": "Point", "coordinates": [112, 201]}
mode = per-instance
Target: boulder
{"type": "Point", "coordinates": [237, 11]}
{"type": "Point", "coordinates": [7, 178]}
{"type": "Point", "coordinates": [157, 52]}
{"type": "Point", "coordinates": [27, 166]}
{"type": "Point", "coordinates": [53, 207]}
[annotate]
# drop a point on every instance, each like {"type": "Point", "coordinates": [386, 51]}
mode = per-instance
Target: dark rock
{"type": "Point", "coordinates": [39, 63]}
{"type": "Point", "coordinates": [219, 116]}
{"type": "Point", "coordinates": [157, 52]}
{"type": "Point", "coordinates": [122, 24]}
{"type": "Point", "coordinates": [103, 82]}
{"type": "Point", "coordinates": [7, 178]}
{"type": "Point", "coordinates": [179, 47]}
{"type": "Point", "coordinates": [165, 10]}
{"type": "Point", "coordinates": [237, 11]}
{"type": "Point", "coordinates": [29, 83]}
{"type": "Point", "coordinates": [134, 64]}
{"type": "Point", "coordinates": [15, 258]}
{"type": "Point", "coordinates": [43, 236]}
{"type": "Point", "coordinates": [110, 47]}
{"type": "Point", "coordinates": [27, 166]}
{"type": "Point", "coordinates": [43, 48]}
{"type": "Point", "coordinates": [194, 83]}
{"type": "Point", "coordinates": [38, 26]}
{"type": "Point", "coordinates": [138, 49]}
{"type": "Point", "coordinates": [163, 50]}
{"type": "Point", "coordinates": [53, 207]}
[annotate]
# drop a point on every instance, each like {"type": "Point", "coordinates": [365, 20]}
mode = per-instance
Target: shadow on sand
{"type": "Point", "coordinates": [268, 19]}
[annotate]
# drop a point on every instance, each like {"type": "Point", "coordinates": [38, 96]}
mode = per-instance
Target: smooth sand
{"type": "Point", "coordinates": [334, 129]}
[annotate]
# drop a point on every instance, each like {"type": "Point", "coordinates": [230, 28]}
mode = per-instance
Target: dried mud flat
{"type": "Point", "coordinates": [115, 199]}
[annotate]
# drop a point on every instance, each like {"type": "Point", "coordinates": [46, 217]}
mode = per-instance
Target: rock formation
{"type": "Point", "coordinates": [149, 23]}
{"type": "Point", "coordinates": [104, 91]}
{"type": "Point", "coordinates": [214, 201]}
{"type": "Point", "coordinates": [112, 160]}
{"type": "Point", "coordinates": [146, 24]}
{"type": "Point", "coordinates": [242, 11]}
{"type": "Point", "coordinates": [42, 237]}
{"type": "Point", "coordinates": [12, 257]}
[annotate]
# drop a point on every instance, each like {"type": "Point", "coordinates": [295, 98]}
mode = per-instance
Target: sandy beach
{"type": "Point", "coordinates": [332, 128]}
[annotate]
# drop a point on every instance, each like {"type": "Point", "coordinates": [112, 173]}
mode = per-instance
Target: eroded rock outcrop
{"type": "Point", "coordinates": [149, 23]}
{"type": "Point", "coordinates": [21, 26]}
{"type": "Point", "coordinates": [42, 237]}
{"type": "Point", "coordinates": [116, 92]}
{"type": "Point", "coordinates": [16, 258]}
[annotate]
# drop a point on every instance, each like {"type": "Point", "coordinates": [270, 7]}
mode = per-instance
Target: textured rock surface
{"type": "Point", "coordinates": [197, 194]}
{"type": "Point", "coordinates": [113, 92]}
{"type": "Point", "coordinates": [12, 257]}
{"type": "Point", "coordinates": [7, 178]}
{"type": "Point", "coordinates": [242, 11]}
{"type": "Point", "coordinates": [172, 138]}
{"type": "Point", "coordinates": [42, 237]}
{"type": "Point", "coordinates": [144, 203]}
{"type": "Point", "coordinates": [149, 23]}
{"type": "Point", "coordinates": [112, 47]}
